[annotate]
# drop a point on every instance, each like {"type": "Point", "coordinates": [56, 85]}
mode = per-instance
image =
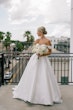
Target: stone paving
{"type": "Point", "coordinates": [8, 103]}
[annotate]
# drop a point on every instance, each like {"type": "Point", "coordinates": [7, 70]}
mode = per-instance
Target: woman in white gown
{"type": "Point", "coordinates": [38, 84]}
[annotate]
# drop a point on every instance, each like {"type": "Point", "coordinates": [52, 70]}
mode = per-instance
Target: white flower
{"type": "Point", "coordinates": [40, 49]}
{"type": "Point", "coordinates": [35, 48]}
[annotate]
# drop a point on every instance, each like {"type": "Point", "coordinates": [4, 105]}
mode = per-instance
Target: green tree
{"type": "Point", "coordinates": [19, 46]}
{"type": "Point", "coordinates": [2, 35]}
{"type": "Point", "coordinates": [30, 38]}
{"type": "Point", "coordinates": [8, 35]}
{"type": "Point", "coordinates": [7, 40]}
{"type": "Point", "coordinates": [27, 35]}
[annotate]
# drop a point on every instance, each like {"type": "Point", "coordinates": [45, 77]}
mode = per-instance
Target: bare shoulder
{"type": "Point", "coordinates": [36, 41]}
{"type": "Point", "coordinates": [48, 42]}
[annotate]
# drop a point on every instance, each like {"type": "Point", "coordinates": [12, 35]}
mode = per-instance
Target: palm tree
{"type": "Point", "coordinates": [1, 39]}
{"type": "Point", "coordinates": [1, 35]}
{"type": "Point", "coordinates": [31, 38]}
{"type": "Point", "coordinates": [7, 40]}
{"type": "Point", "coordinates": [27, 34]}
{"type": "Point", "coordinates": [8, 35]}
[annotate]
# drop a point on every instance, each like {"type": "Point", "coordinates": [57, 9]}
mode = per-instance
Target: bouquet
{"type": "Point", "coordinates": [40, 49]}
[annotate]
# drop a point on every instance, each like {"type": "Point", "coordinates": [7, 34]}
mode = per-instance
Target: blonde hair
{"type": "Point", "coordinates": [42, 29]}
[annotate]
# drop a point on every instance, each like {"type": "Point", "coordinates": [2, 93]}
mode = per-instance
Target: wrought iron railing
{"type": "Point", "coordinates": [1, 69]}
{"type": "Point", "coordinates": [15, 63]}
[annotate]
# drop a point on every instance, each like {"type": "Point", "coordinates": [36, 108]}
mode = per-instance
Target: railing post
{"type": "Point", "coordinates": [71, 47]}
{"type": "Point", "coordinates": [2, 69]}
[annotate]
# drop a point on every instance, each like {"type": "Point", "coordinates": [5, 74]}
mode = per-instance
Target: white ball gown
{"type": "Point", "coordinates": [38, 84]}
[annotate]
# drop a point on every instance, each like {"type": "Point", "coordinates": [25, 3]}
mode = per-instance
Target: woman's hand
{"type": "Point", "coordinates": [39, 55]}
{"type": "Point", "coordinates": [48, 53]}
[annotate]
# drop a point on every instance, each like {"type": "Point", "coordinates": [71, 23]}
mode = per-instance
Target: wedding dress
{"type": "Point", "coordinates": [38, 84]}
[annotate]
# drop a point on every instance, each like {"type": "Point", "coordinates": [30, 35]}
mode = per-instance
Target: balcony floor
{"type": "Point", "coordinates": [8, 103]}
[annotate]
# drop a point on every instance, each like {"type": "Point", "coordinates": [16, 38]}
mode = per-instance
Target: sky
{"type": "Point", "coordinates": [18, 16]}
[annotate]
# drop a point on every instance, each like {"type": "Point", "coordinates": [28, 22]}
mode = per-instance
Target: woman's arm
{"type": "Point", "coordinates": [48, 53]}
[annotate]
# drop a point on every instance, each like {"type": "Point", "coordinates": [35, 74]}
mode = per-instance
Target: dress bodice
{"type": "Point", "coordinates": [50, 47]}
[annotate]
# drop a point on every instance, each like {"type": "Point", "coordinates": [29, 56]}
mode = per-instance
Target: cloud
{"type": "Point", "coordinates": [59, 12]}
{"type": "Point", "coordinates": [62, 29]}
{"type": "Point", "coordinates": [23, 10]}
{"type": "Point", "coordinates": [5, 3]}
{"type": "Point", "coordinates": [54, 14]}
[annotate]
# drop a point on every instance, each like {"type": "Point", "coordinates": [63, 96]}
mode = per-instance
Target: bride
{"type": "Point", "coordinates": [38, 84]}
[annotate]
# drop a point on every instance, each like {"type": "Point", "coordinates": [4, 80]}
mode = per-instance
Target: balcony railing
{"type": "Point", "coordinates": [1, 69]}
{"type": "Point", "coordinates": [15, 63]}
